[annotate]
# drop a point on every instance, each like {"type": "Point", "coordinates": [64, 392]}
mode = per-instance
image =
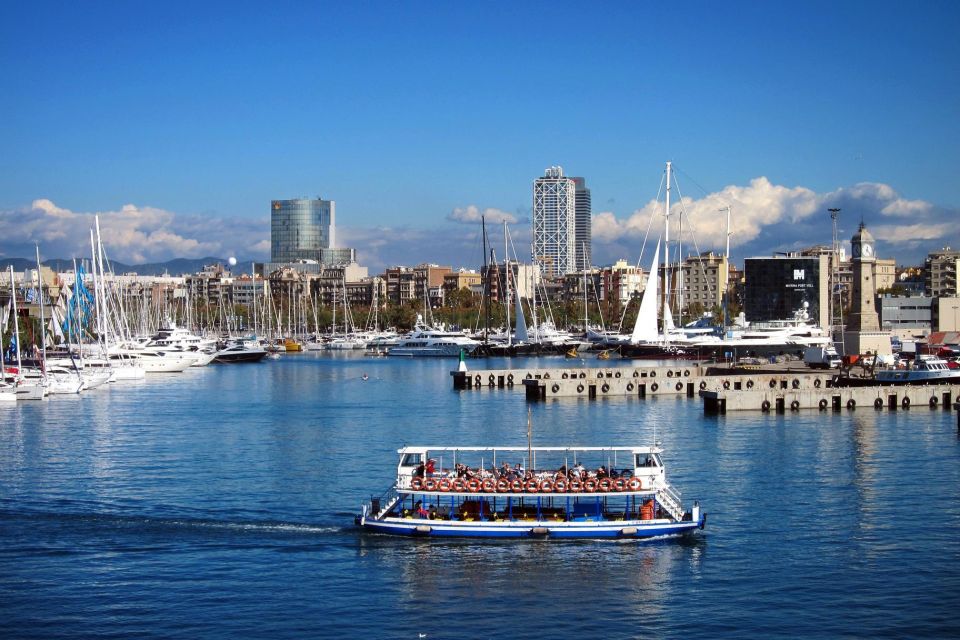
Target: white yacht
{"type": "Point", "coordinates": [424, 341]}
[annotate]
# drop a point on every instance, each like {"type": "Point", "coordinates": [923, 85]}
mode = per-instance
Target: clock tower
{"type": "Point", "coordinates": [862, 334]}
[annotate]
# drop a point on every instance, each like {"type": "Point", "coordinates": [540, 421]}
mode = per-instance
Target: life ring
{"type": "Point", "coordinates": [429, 484]}
{"type": "Point", "coordinates": [823, 404]}
{"type": "Point", "coordinates": [416, 484]}
{"type": "Point", "coordinates": [488, 485]}
{"type": "Point", "coordinates": [616, 375]}
{"type": "Point", "coordinates": [878, 403]}
{"type": "Point", "coordinates": [479, 380]}
{"type": "Point", "coordinates": [934, 401]}
{"type": "Point", "coordinates": [726, 384]}
{"type": "Point", "coordinates": [817, 383]}
{"type": "Point", "coordinates": [653, 374]}
{"type": "Point", "coordinates": [509, 378]}
{"type": "Point", "coordinates": [576, 486]}
{"type": "Point", "coordinates": [555, 387]}
{"type": "Point", "coordinates": [636, 374]}
{"type": "Point", "coordinates": [529, 376]}
{"type": "Point", "coordinates": [905, 403]}
{"type": "Point", "coordinates": [654, 387]}
{"type": "Point", "coordinates": [634, 484]}
{"type": "Point", "coordinates": [605, 387]}
{"type": "Point", "coordinates": [765, 406]}
{"type": "Point", "coordinates": [605, 485]}
{"type": "Point", "coordinates": [546, 486]}
{"type": "Point", "coordinates": [473, 485]}
{"type": "Point", "coordinates": [686, 373]}
{"type": "Point", "coordinates": [629, 386]}
{"type": "Point", "coordinates": [583, 374]}
{"type": "Point", "coordinates": [773, 383]}
{"type": "Point", "coordinates": [669, 374]}
{"type": "Point", "coordinates": [443, 485]}
{"type": "Point", "coordinates": [795, 405]}
{"type": "Point", "coordinates": [458, 485]}
{"type": "Point", "coordinates": [516, 486]}
{"type": "Point", "coordinates": [851, 404]}
{"type": "Point", "coordinates": [619, 484]}
{"type": "Point", "coordinates": [796, 383]}
{"type": "Point", "coordinates": [750, 384]}
{"type": "Point", "coordinates": [703, 385]}
{"type": "Point", "coordinates": [546, 376]}
{"type": "Point", "coordinates": [560, 485]}
{"type": "Point", "coordinates": [564, 376]}
{"type": "Point", "coordinates": [579, 388]}
{"type": "Point", "coordinates": [679, 386]}
{"type": "Point", "coordinates": [532, 485]}
{"type": "Point", "coordinates": [590, 485]}
{"type": "Point", "coordinates": [491, 379]}
{"type": "Point", "coordinates": [599, 374]}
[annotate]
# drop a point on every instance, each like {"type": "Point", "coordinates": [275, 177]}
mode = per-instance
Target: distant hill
{"type": "Point", "coordinates": [176, 267]}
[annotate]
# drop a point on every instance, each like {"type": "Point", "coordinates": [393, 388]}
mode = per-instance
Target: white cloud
{"type": "Point", "coordinates": [471, 214]}
{"type": "Point", "coordinates": [131, 234]}
{"type": "Point", "coordinates": [767, 217]}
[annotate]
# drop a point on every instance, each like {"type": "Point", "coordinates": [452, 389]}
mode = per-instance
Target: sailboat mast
{"type": "Point", "coordinates": [16, 322]}
{"type": "Point", "coordinates": [486, 286]}
{"type": "Point", "coordinates": [666, 252]}
{"type": "Point", "coordinates": [43, 328]}
{"type": "Point", "coordinates": [506, 282]}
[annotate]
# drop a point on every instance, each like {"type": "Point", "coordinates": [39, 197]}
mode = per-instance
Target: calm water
{"type": "Point", "coordinates": [218, 504]}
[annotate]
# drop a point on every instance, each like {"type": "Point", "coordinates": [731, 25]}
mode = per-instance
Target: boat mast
{"type": "Point", "coordinates": [506, 281]}
{"type": "Point", "coordinates": [726, 281]}
{"type": "Point", "coordinates": [486, 285]}
{"type": "Point", "coordinates": [43, 328]}
{"type": "Point", "coordinates": [16, 323]}
{"type": "Point", "coordinates": [666, 256]}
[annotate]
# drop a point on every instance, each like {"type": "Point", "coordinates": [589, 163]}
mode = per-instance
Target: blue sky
{"type": "Point", "coordinates": [195, 116]}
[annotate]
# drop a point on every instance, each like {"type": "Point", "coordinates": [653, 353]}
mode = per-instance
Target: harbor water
{"type": "Point", "coordinates": [219, 503]}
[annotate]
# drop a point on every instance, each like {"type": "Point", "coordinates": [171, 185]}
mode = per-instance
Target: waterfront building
{"type": "Point", "coordinates": [776, 288]}
{"type": "Point", "coordinates": [703, 280]}
{"type": "Point", "coordinates": [947, 313]}
{"type": "Point", "coordinates": [300, 228]}
{"type": "Point", "coordinates": [863, 334]}
{"type": "Point", "coordinates": [461, 279]}
{"type": "Point", "coordinates": [583, 225]}
{"type": "Point", "coordinates": [942, 269]}
{"type": "Point", "coordinates": [621, 281]}
{"type": "Point", "coordinates": [905, 315]}
{"type": "Point", "coordinates": [561, 223]}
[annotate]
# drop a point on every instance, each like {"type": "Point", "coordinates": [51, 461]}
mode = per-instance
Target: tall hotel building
{"type": "Point", "coordinates": [301, 229]}
{"type": "Point", "coordinates": [561, 223]}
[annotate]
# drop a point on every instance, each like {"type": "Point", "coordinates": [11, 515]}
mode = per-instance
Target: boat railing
{"type": "Point", "coordinates": [383, 503]}
{"type": "Point", "coordinates": [670, 499]}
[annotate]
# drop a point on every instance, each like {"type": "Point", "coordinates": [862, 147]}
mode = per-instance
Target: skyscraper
{"type": "Point", "coordinates": [584, 242]}
{"type": "Point", "coordinates": [561, 223]}
{"type": "Point", "coordinates": [301, 229]}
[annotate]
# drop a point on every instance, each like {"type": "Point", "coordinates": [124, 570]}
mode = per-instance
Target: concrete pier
{"type": "Point", "coordinates": [885, 397]}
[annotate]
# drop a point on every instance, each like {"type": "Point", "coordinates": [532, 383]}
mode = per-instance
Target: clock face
{"type": "Point", "coordinates": [867, 250]}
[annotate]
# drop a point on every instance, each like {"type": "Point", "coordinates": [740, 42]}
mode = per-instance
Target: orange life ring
{"type": "Point", "coordinates": [503, 485]}
{"type": "Point", "coordinates": [516, 486]}
{"type": "Point", "coordinates": [590, 485]}
{"type": "Point", "coordinates": [444, 485]}
{"type": "Point", "coordinates": [458, 484]}
{"type": "Point", "coordinates": [605, 484]}
{"type": "Point", "coordinates": [576, 486]}
{"type": "Point", "coordinates": [488, 485]}
{"type": "Point", "coordinates": [634, 484]}
{"type": "Point", "coordinates": [473, 485]}
{"type": "Point", "coordinates": [416, 484]}
{"type": "Point", "coordinates": [619, 484]}
{"type": "Point", "coordinates": [429, 484]}
{"type": "Point", "coordinates": [560, 485]}
{"type": "Point", "coordinates": [532, 485]}
{"type": "Point", "coordinates": [546, 486]}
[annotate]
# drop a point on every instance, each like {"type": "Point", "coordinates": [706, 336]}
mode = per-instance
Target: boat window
{"type": "Point", "coordinates": [647, 460]}
{"type": "Point", "coordinates": [411, 459]}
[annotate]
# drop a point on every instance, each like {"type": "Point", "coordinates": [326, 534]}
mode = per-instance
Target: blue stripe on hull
{"type": "Point", "coordinates": [607, 531]}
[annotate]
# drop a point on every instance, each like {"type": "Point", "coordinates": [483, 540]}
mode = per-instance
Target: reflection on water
{"type": "Point", "coordinates": [225, 496]}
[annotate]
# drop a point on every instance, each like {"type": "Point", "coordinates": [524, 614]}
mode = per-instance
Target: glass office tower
{"type": "Point", "coordinates": [301, 229]}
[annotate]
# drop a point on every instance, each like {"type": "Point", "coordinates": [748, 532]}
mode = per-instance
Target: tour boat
{"type": "Point", "coordinates": [622, 493]}
{"type": "Point", "coordinates": [926, 369]}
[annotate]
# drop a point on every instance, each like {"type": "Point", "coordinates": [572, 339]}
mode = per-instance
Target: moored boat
{"type": "Point", "coordinates": [625, 496]}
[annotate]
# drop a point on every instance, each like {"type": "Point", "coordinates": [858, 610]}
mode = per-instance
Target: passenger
{"type": "Point", "coordinates": [421, 512]}
{"type": "Point", "coordinates": [431, 466]}
{"type": "Point", "coordinates": [601, 473]}
{"type": "Point", "coordinates": [433, 512]}
{"type": "Point", "coordinates": [418, 472]}
{"type": "Point", "coordinates": [579, 471]}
